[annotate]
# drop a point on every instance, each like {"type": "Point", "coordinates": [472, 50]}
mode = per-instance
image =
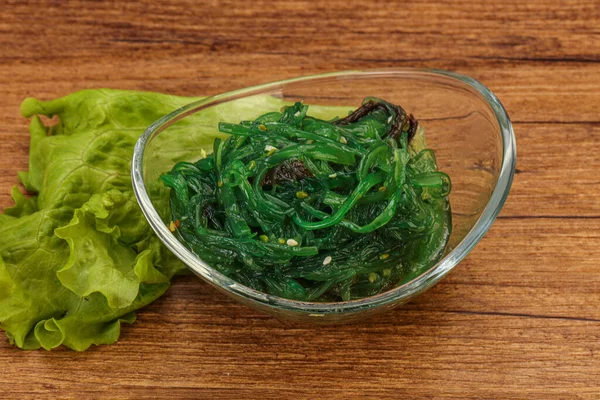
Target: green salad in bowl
{"type": "Point", "coordinates": [315, 210]}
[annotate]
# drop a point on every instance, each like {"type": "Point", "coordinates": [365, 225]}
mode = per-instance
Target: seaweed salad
{"type": "Point", "coordinates": [314, 210]}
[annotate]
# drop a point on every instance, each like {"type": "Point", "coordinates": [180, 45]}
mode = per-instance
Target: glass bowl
{"type": "Point", "coordinates": [465, 125]}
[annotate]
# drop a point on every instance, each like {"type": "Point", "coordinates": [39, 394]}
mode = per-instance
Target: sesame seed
{"type": "Point", "coordinates": [264, 238]}
{"type": "Point", "coordinates": [301, 195]}
{"type": "Point", "coordinates": [384, 256]}
{"type": "Point", "coordinates": [292, 243]}
{"type": "Point", "coordinates": [373, 277]}
{"type": "Point", "coordinates": [281, 241]}
{"type": "Point", "coordinates": [297, 114]}
{"type": "Point", "coordinates": [270, 150]}
{"type": "Point", "coordinates": [389, 119]}
{"type": "Point", "coordinates": [262, 127]}
{"type": "Point", "coordinates": [327, 260]}
{"type": "Point", "coordinates": [343, 140]}
{"type": "Point", "coordinates": [382, 189]}
{"type": "Point", "coordinates": [333, 176]}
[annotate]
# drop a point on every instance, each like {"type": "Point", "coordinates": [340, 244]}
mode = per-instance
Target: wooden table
{"type": "Point", "coordinates": [519, 318]}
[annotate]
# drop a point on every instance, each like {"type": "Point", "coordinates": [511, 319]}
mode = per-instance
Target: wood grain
{"type": "Point", "coordinates": [519, 318]}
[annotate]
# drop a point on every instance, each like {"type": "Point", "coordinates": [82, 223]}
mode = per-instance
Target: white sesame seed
{"type": "Point", "coordinates": [270, 148]}
{"type": "Point", "coordinates": [292, 243]}
{"type": "Point", "coordinates": [297, 114]}
{"type": "Point", "coordinates": [327, 260]}
{"type": "Point", "coordinates": [333, 176]}
{"type": "Point", "coordinates": [343, 140]}
{"type": "Point", "coordinates": [389, 119]}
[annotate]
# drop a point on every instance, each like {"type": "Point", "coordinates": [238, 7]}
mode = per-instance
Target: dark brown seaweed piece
{"type": "Point", "coordinates": [402, 121]}
{"type": "Point", "coordinates": [291, 170]}
{"type": "Point", "coordinates": [412, 130]}
{"type": "Point", "coordinates": [362, 111]}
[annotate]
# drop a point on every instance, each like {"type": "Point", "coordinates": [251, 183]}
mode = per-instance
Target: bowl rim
{"type": "Point", "coordinates": [405, 291]}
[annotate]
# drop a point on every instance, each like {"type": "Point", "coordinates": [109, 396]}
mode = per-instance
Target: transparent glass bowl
{"type": "Point", "coordinates": [465, 125]}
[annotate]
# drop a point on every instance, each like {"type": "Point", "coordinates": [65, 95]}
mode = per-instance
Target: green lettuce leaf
{"type": "Point", "coordinates": [102, 258]}
{"type": "Point", "coordinates": [89, 150]}
{"type": "Point", "coordinates": [78, 257]}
